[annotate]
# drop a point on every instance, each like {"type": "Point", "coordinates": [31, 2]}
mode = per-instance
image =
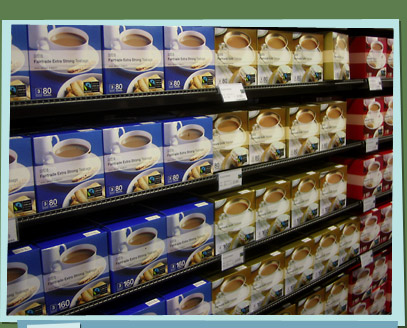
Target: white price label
{"type": "Point", "coordinates": [230, 179]}
{"type": "Point", "coordinates": [372, 145]}
{"type": "Point", "coordinates": [366, 258]}
{"type": "Point", "coordinates": [232, 258]}
{"type": "Point", "coordinates": [12, 230]}
{"type": "Point", "coordinates": [375, 83]}
{"type": "Point", "coordinates": [232, 92]}
{"type": "Point", "coordinates": [369, 203]}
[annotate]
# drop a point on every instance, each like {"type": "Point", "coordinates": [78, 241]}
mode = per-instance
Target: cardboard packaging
{"type": "Point", "coordinates": [349, 245]}
{"type": "Point", "coordinates": [360, 285]}
{"type": "Point", "coordinates": [188, 151]}
{"type": "Point", "coordinates": [75, 269]}
{"type": "Point", "coordinates": [387, 218]}
{"type": "Point", "coordinates": [370, 226]}
{"type": "Point", "coordinates": [308, 58]}
{"type": "Point", "coordinates": [313, 304]}
{"type": "Point", "coordinates": [132, 58]}
{"type": "Point", "coordinates": [68, 168]}
{"type": "Point", "coordinates": [381, 267]}
{"type": "Point", "coordinates": [327, 250]}
{"type": "Point", "coordinates": [367, 57]}
{"type": "Point", "coordinates": [299, 260]}
{"type": "Point", "coordinates": [189, 57]}
{"type": "Point", "coordinates": [387, 169]}
{"type": "Point", "coordinates": [378, 301]}
{"type": "Point", "coordinates": [288, 309]}
{"type": "Point", "coordinates": [303, 124]}
{"type": "Point", "coordinates": [21, 193]}
{"type": "Point", "coordinates": [65, 61]}
{"type": "Point", "coordinates": [267, 129]}
{"type": "Point", "coordinates": [230, 140]}
{"type": "Point", "coordinates": [25, 289]}
{"type": "Point", "coordinates": [305, 192]}
{"type": "Point", "coordinates": [364, 175]}
{"type": "Point", "coordinates": [267, 274]}
{"type": "Point", "coordinates": [365, 118]}
{"type": "Point", "coordinates": [336, 56]}
{"type": "Point", "coordinates": [189, 232]}
{"type": "Point", "coordinates": [273, 207]}
{"type": "Point", "coordinates": [137, 249]}
{"type": "Point", "coordinates": [390, 58]}
{"type": "Point", "coordinates": [236, 55]}
{"type": "Point", "coordinates": [388, 115]}
{"type": "Point", "coordinates": [133, 158]}
{"type": "Point", "coordinates": [194, 299]}
{"type": "Point", "coordinates": [20, 68]}
{"type": "Point", "coordinates": [333, 124]}
{"type": "Point", "coordinates": [333, 188]}
{"type": "Point", "coordinates": [336, 295]}
{"type": "Point", "coordinates": [275, 57]}
{"type": "Point", "coordinates": [231, 291]}
{"type": "Point", "coordinates": [234, 220]}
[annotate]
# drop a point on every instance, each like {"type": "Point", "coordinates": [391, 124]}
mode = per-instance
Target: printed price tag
{"type": "Point", "coordinates": [366, 258]}
{"type": "Point", "coordinates": [375, 83]}
{"type": "Point", "coordinates": [232, 92]}
{"type": "Point", "coordinates": [372, 145]}
{"type": "Point", "coordinates": [230, 179]}
{"type": "Point", "coordinates": [232, 258]}
{"type": "Point", "coordinates": [12, 230]}
{"type": "Point", "coordinates": [369, 203]}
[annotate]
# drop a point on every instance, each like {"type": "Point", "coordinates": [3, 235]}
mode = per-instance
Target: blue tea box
{"type": "Point", "coordinates": [133, 158]}
{"type": "Point", "coordinates": [65, 61]}
{"type": "Point", "coordinates": [25, 289]}
{"type": "Point", "coordinates": [21, 194]}
{"type": "Point", "coordinates": [133, 59]}
{"type": "Point", "coordinates": [188, 152]}
{"type": "Point", "coordinates": [68, 168]}
{"type": "Point", "coordinates": [155, 306]}
{"type": "Point", "coordinates": [193, 299]}
{"type": "Point", "coordinates": [20, 68]}
{"type": "Point", "coordinates": [189, 57]}
{"type": "Point", "coordinates": [75, 269]}
{"type": "Point", "coordinates": [189, 232]}
{"type": "Point", "coordinates": [137, 249]}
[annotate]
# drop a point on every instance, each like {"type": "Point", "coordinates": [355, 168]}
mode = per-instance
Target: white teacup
{"type": "Point", "coordinates": [360, 309]}
{"type": "Point", "coordinates": [78, 255]}
{"type": "Point", "coordinates": [17, 274]}
{"type": "Point", "coordinates": [374, 108]}
{"type": "Point", "coordinates": [228, 125]}
{"type": "Point", "coordinates": [68, 150]}
{"type": "Point", "coordinates": [12, 159]}
{"type": "Point", "coordinates": [137, 140]}
{"type": "Point", "coordinates": [236, 210]}
{"type": "Point", "coordinates": [190, 133]}
{"type": "Point", "coordinates": [237, 43]}
{"type": "Point", "coordinates": [135, 39]}
{"type": "Point", "coordinates": [267, 123]}
{"type": "Point", "coordinates": [232, 288]}
{"type": "Point", "coordinates": [312, 305]}
{"type": "Point", "coordinates": [272, 200]}
{"type": "Point", "coordinates": [376, 47]}
{"type": "Point", "coordinates": [192, 41]}
{"type": "Point", "coordinates": [305, 189]}
{"type": "Point", "coordinates": [192, 304]}
{"type": "Point", "coordinates": [304, 119]}
{"type": "Point", "coordinates": [268, 270]}
{"type": "Point", "coordinates": [143, 238]}
{"type": "Point", "coordinates": [326, 245]}
{"type": "Point", "coordinates": [332, 182]}
{"type": "Point", "coordinates": [298, 260]}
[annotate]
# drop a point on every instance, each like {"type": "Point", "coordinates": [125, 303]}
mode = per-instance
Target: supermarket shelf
{"type": "Point", "coordinates": [317, 282]}
{"type": "Point", "coordinates": [68, 106]}
{"type": "Point", "coordinates": [352, 204]}
{"type": "Point", "coordinates": [182, 186]}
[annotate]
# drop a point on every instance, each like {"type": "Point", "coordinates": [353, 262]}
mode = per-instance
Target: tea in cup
{"type": "Point", "coordinates": [136, 140]}
{"type": "Point", "coordinates": [144, 237]}
{"type": "Point", "coordinates": [17, 281]}
{"type": "Point", "coordinates": [228, 124]}
{"type": "Point", "coordinates": [309, 43]}
{"type": "Point", "coordinates": [237, 43]}
{"type": "Point", "coordinates": [135, 39]}
{"type": "Point", "coordinates": [71, 150]}
{"type": "Point", "coordinates": [311, 305]}
{"type": "Point", "coordinates": [77, 255]}
{"type": "Point", "coordinates": [192, 304]}
{"type": "Point", "coordinates": [231, 288]}
{"type": "Point", "coordinates": [12, 159]}
{"type": "Point", "coordinates": [190, 133]}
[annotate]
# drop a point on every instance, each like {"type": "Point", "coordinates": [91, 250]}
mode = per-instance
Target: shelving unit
{"type": "Point", "coordinates": [36, 115]}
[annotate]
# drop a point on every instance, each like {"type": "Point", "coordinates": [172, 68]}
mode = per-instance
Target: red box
{"type": "Point", "coordinates": [387, 169]}
{"type": "Point", "coordinates": [389, 73]}
{"type": "Point", "coordinates": [367, 56]}
{"type": "Point", "coordinates": [360, 284]}
{"type": "Point", "coordinates": [378, 301]}
{"type": "Point", "coordinates": [370, 224]}
{"type": "Point", "coordinates": [364, 175]}
{"type": "Point", "coordinates": [380, 262]}
{"type": "Point", "coordinates": [365, 118]}
{"type": "Point", "coordinates": [386, 212]}
{"type": "Point", "coordinates": [388, 115]}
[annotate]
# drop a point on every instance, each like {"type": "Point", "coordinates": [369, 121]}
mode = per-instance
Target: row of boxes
{"type": "Point", "coordinates": [368, 174]}
{"type": "Point", "coordinates": [58, 61]}
{"type": "Point", "coordinates": [126, 250]}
